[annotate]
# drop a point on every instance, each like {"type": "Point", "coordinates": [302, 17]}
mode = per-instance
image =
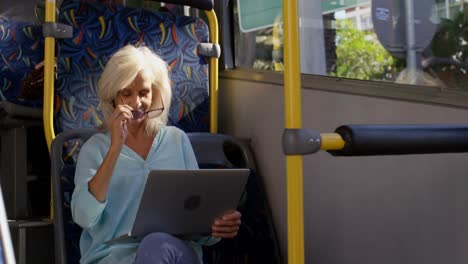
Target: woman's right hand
{"type": "Point", "coordinates": [117, 123]}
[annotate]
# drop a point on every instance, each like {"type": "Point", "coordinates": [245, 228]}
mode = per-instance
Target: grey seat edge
{"type": "Point", "coordinates": [56, 168]}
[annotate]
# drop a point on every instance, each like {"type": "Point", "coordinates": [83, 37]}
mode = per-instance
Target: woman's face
{"type": "Point", "coordinates": [138, 95]}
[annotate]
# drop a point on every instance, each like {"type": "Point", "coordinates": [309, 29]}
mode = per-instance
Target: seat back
{"type": "Point", "coordinates": [99, 30]}
{"type": "Point", "coordinates": [221, 151]}
{"type": "Point", "coordinates": [21, 49]}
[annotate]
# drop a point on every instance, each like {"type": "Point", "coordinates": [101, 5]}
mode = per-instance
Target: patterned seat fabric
{"type": "Point", "coordinates": [99, 30]}
{"type": "Point", "coordinates": [21, 49]}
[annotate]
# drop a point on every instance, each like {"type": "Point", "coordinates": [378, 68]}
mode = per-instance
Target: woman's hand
{"type": "Point", "coordinates": [118, 125]}
{"type": "Point", "coordinates": [98, 186]}
{"type": "Point", "coordinates": [227, 225]}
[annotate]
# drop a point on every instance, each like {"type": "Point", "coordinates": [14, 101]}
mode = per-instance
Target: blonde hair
{"type": "Point", "coordinates": [122, 69]}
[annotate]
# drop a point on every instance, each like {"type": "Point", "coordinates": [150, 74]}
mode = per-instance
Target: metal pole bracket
{"type": "Point", "coordinates": [57, 30]}
{"type": "Point", "coordinates": [301, 141]}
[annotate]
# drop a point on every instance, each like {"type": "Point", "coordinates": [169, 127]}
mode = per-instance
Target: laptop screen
{"type": "Point", "coordinates": [7, 254]}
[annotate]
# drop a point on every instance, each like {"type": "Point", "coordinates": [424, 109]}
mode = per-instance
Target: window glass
{"type": "Point", "coordinates": [19, 10]}
{"type": "Point", "coordinates": [367, 40]}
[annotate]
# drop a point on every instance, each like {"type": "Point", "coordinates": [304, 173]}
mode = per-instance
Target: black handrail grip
{"type": "Point", "coordinates": [366, 140]}
{"type": "Point", "coordinates": [200, 4]}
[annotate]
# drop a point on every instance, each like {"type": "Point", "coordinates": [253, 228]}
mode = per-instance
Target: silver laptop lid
{"type": "Point", "coordinates": [185, 202]}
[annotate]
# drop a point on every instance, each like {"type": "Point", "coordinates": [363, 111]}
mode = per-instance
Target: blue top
{"type": "Point", "coordinates": [114, 217]}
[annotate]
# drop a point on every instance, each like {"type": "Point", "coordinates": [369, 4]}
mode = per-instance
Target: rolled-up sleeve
{"type": "Point", "coordinates": [86, 209]}
{"type": "Point", "coordinates": [189, 156]}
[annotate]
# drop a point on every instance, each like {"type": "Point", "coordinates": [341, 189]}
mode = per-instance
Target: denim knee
{"type": "Point", "coordinates": [160, 238]}
{"type": "Point", "coordinates": [164, 248]}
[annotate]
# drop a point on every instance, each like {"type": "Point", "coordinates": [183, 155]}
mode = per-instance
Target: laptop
{"type": "Point", "coordinates": [185, 202]}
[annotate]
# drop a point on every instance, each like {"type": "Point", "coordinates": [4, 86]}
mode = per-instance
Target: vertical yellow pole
{"type": "Point", "coordinates": [214, 38]}
{"type": "Point", "coordinates": [49, 62]}
{"type": "Point", "coordinates": [48, 108]}
{"type": "Point", "coordinates": [293, 116]}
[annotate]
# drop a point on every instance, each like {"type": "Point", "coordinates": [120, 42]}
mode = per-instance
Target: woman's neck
{"type": "Point", "coordinates": [136, 130]}
{"type": "Point", "coordinates": [139, 141]}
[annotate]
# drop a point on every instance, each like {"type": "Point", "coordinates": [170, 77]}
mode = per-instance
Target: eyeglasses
{"type": "Point", "coordinates": [153, 113]}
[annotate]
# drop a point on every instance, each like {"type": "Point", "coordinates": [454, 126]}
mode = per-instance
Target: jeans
{"type": "Point", "coordinates": [162, 248]}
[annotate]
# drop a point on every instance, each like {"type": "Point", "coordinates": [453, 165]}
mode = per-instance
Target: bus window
{"type": "Point", "coordinates": [363, 40]}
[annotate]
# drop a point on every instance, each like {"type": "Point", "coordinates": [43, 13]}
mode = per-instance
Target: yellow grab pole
{"type": "Point", "coordinates": [293, 116]}
{"type": "Point", "coordinates": [49, 63]}
{"type": "Point", "coordinates": [331, 141]}
{"type": "Point", "coordinates": [213, 24]}
{"type": "Point", "coordinates": [48, 107]}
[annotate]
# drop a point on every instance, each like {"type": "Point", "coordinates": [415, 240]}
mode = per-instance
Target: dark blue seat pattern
{"type": "Point", "coordinates": [99, 30]}
{"type": "Point", "coordinates": [21, 49]}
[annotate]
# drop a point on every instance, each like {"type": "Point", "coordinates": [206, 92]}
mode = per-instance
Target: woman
{"type": "Point", "coordinates": [112, 167]}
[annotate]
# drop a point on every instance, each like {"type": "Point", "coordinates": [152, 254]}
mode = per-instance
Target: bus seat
{"type": "Point", "coordinates": [21, 49]}
{"type": "Point", "coordinates": [99, 30]}
{"type": "Point", "coordinates": [256, 242]}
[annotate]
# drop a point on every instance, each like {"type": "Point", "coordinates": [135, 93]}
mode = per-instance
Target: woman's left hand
{"type": "Point", "coordinates": [227, 225]}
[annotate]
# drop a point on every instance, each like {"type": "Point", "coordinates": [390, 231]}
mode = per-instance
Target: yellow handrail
{"type": "Point", "coordinates": [331, 141]}
{"type": "Point", "coordinates": [49, 64]}
{"type": "Point", "coordinates": [293, 116]}
{"type": "Point", "coordinates": [48, 108]}
{"type": "Point", "coordinates": [213, 24]}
